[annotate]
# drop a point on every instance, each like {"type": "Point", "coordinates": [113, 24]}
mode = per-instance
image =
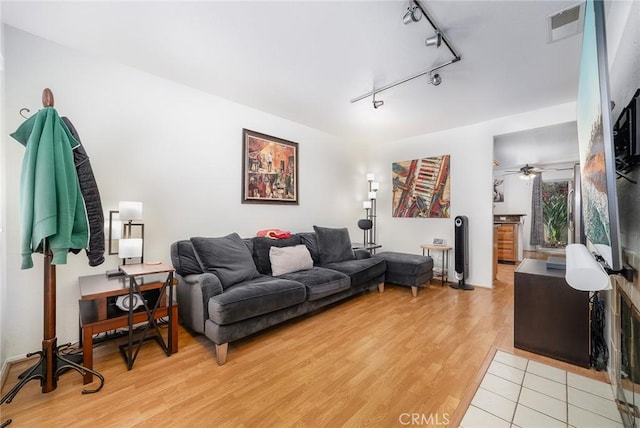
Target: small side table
{"type": "Point", "coordinates": [133, 273]}
{"type": "Point", "coordinates": [444, 272]}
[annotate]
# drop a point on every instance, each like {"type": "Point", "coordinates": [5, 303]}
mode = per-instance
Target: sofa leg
{"type": "Point", "coordinates": [414, 291]}
{"type": "Point", "coordinates": [381, 287]}
{"type": "Point", "coordinates": [221, 353]}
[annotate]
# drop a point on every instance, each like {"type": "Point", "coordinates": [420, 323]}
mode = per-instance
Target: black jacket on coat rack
{"type": "Point", "coordinates": [91, 196]}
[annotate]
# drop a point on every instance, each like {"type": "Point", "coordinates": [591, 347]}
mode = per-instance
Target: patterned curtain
{"type": "Point", "coordinates": [537, 222]}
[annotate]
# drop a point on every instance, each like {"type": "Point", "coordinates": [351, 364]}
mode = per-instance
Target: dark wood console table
{"type": "Point", "coordinates": [550, 317]}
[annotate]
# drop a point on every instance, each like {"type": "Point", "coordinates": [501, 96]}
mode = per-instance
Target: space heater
{"type": "Point", "coordinates": [461, 252]}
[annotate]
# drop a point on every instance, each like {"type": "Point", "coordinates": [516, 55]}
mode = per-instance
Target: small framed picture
{"type": "Point", "coordinates": [438, 241]}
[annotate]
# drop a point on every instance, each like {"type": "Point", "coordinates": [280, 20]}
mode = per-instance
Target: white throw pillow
{"type": "Point", "coordinates": [289, 259]}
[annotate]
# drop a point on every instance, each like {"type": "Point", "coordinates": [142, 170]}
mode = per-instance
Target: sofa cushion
{"type": "Point", "coordinates": [309, 239]}
{"type": "Point", "coordinates": [334, 245]}
{"type": "Point", "coordinates": [184, 259]}
{"type": "Point", "coordinates": [360, 271]}
{"type": "Point", "coordinates": [320, 282]}
{"type": "Point", "coordinates": [227, 257]}
{"type": "Point", "coordinates": [254, 298]}
{"type": "Point", "coordinates": [289, 259]}
{"type": "Point", "coordinates": [261, 247]}
{"type": "Point", "coordinates": [406, 269]}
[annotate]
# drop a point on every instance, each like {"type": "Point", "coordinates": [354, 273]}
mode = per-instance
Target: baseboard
{"type": "Point", "coordinates": [6, 368]}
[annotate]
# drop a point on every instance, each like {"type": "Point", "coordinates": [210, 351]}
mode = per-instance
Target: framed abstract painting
{"type": "Point", "coordinates": [421, 188]}
{"type": "Point", "coordinates": [269, 169]}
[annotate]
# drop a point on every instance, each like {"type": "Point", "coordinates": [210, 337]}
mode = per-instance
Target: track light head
{"type": "Point", "coordinates": [376, 103]}
{"type": "Point", "coordinates": [435, 79]}
{"type": "Point", "coordinates": [413, 14]}
{"type": "Point", "coordinates": [435, 40]}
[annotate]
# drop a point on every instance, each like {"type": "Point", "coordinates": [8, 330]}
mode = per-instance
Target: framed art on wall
{"type": "Point", "coordinates": [269, 169]}
{"type": "Point", "coordinates": [421, 187]}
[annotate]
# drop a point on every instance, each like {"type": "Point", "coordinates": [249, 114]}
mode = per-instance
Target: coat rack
{"type": "Point", "coordinates": [51, 363]}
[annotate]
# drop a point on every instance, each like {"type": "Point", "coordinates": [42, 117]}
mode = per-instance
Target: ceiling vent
{"type": "Point", "coordinates": [565, 23]}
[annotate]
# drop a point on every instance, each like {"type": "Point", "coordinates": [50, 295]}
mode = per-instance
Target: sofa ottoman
{"type": "Point", "coordinates": [409, 270]}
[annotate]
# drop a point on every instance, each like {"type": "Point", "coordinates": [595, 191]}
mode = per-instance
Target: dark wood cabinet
{"type": "Point", "coordinates": [508, 242]}
{"type": "Point", "coordinates": [550, 317]}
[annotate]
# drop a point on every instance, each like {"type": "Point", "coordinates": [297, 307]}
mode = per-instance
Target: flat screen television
{"type": "Point", "coordinates": [595, 140]}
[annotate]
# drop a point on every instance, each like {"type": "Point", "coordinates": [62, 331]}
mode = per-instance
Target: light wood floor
{"type": "Point", "coordinates": [364, 362]}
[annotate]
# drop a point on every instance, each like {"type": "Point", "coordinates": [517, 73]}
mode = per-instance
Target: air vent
{"type": "Point", "coordinates": [565, 23]}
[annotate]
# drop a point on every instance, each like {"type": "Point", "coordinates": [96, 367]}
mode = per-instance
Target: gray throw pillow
{"type": "Point", "coordinates": [227, 257]}
{"type": "Point", "coordinates": [334, 245]}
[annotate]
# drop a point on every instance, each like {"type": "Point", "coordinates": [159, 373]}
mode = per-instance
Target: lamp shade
{"type": "Point", "coordinates": [372, 195]}
{"type": "Point", "coordinates": [130, 211]}
{"type": "Point", "coordinates": [130, 248]}
{"type": "Point", "coordinates": [370, 177]}
{"type": "Point", "coordinates": [366, 205]}
{"type": "Point", "coordinates": [115, 230]}
{"type": "Point", "coordinates": [375, 185]}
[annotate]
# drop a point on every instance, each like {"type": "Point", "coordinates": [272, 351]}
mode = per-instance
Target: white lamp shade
{"type": "Point", "coordinates": [116, 229]}
{"type": "Point", "coordinates": [130, 211]}
{"type": "Point", "coordinates": [371, 177]}
{"type": "Point", "coordinates": [375, 185]}
{"type": "Point", "coordinates": [366, 205]}
{"type": "Point", "coordinates": [372, 195]}
{"type": "Point", "coordinates": [128, 248]}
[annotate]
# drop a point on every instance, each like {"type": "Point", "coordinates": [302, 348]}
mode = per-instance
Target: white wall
{"type": "Point", "coordinates": [3, 243]}
{"type": "Point", "coordinates": [176, 149]}
{"type": "Point", "coordinates": [471, 150]}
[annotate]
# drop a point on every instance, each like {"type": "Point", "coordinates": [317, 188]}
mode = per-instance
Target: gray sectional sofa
{"type": "Point", "coordinates": [230, 287]}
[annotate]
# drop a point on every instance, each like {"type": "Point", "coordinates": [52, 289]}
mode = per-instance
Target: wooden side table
{"type": "Point", "coordinates": [444, 270]}
{"type": "Point", "coordinates": [98, 313]}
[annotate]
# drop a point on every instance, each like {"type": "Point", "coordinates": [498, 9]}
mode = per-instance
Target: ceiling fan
{"type": "Point", "coordinates": [527, 172]}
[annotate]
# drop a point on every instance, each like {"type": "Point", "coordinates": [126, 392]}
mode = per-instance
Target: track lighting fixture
{"type": "Point", "coordinates": [378, 103]}
{"type": "Point", "coordinates": [435, 40]}
{"type": "Point", "coordinates": [413, 14]}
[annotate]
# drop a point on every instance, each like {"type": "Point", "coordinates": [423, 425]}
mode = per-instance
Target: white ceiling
{"type": "Point", "coordinates": [305, 60]}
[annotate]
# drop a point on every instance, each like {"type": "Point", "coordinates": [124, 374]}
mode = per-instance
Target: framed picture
{"type": "Point", "coordinates": [421, 188]}
{"type": "Point", "coordinates": [439, 241]}
{"type": "Point", "coordinates": [498, 190]}
{"type": "Point", "coordinates": [269, 169]}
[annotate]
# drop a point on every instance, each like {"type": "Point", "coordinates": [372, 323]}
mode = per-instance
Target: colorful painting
{"type": "Point", "coordinates": [269, 169]}
{"type": "Point", "coordinates": [421, 188]}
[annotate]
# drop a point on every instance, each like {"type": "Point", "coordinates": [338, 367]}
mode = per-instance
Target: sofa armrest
{"type": "Point", "coordinates": [194, 292]}
{"type": "Point", "coordinates": [361, 253]}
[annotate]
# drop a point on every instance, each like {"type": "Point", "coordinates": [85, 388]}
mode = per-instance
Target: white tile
{"type": "Point", "coordinates": [478, 418]}
{"type": "Point", "coordinates": [511, 360]}
{"type": "Point", "coordinates": [544, 404]}
{"type": "Point", "coordinates": [593, 386]}
{"type": "Point", "coordinates": [501, 386]}
{"type": "Point", "coordinates": [545, 386]}
{"type": "Point", "coordinates": [529, 418]}
{"type": "Point", "coordinates": [547, 371]}
{"type": "Point", "coordinates": [594, 404]}
{"type": "Point", "coordinates": [494, 404]}
{"type": "Point", "coordinates": [507, 372]}
{"type": "Point", "coordinates": [582, 418]}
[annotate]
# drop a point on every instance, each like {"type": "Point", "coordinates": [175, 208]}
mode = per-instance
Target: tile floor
{"type": "Point", "coordinates": [517, 392]}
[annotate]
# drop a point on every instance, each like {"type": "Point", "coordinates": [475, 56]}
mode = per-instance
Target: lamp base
{"type": "Point", "coordinates": [114, 273]}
